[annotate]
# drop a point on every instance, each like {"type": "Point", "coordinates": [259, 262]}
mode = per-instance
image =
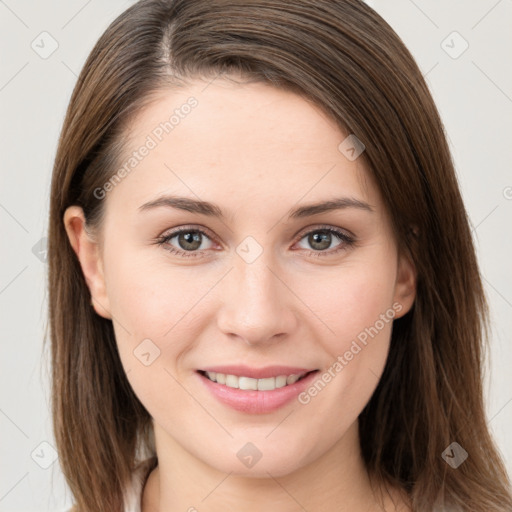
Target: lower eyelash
{"type": "Point", "coordinates": [187, 254]}
{"type": "Point", "coordinates": [347, 242]}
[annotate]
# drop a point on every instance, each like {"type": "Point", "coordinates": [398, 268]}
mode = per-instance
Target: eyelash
{"type": "Point", "coordinates": [348, 241]}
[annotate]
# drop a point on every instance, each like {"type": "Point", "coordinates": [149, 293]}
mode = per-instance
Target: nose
{"type": "Point", "coordinates": [257, 306]}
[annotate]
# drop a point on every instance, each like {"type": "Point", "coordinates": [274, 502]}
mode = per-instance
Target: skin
{"type": "Point", "coordinates": [257, 152]}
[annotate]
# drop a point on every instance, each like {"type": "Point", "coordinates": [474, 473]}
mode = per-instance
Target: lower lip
{"type": "Point", "coordinates": [257, 402]}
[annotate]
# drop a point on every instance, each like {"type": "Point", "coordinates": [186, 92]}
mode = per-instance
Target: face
{"type": "Point", "coordinates": [255, 279]}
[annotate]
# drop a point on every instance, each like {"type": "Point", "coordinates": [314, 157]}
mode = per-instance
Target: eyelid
{"type": "Point", "coordinates": [347, 238]}
{"type": "Point", "coordinates": [328, 227]}
{"type": "Point", "coordinates": [187, 227]}
{"type": "Point", "coordinates": [201, 229]}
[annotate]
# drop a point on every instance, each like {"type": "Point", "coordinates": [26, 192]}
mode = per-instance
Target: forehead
{"type": "Point", "coordinates": [234, 143]}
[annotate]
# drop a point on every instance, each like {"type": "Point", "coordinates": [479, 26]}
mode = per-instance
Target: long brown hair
{"type": "Point", "coordinates": [345, 58]}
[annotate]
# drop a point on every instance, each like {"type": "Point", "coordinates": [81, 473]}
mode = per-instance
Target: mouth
{"type": "Point", "coordinates": [251, 395]}
{"type": "Point", "coordinates": [245, 383]}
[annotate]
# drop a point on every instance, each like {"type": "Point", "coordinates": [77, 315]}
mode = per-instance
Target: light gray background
{"type": "Point", "coordinates": [473, 91]}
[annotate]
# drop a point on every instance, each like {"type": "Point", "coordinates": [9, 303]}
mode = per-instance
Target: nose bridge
{"type": "Point", "coordinates": [256, 304]}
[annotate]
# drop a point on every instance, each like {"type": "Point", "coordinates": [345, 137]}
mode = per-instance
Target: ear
{"type": "Point", "coordinates": [88, 253]}
{"type": "Point", "coordinates": [405, 286]}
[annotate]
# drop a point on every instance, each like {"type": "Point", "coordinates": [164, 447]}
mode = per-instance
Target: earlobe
{"type": "Point", "coordinates": [88, 254]}
{"type": "Point", "coordinates": [405, 287]}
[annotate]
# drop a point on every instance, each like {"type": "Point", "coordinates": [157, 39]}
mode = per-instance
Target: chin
{"type": "Point", "coordinates": [264, 463]}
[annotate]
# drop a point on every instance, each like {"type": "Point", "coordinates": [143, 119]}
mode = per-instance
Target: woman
{"type": "Point", "coordinates": [263, 288]}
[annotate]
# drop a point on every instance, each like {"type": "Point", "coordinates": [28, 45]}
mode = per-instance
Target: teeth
{"type": "Point", "coordinates": [292, 379]}
{"type": "Point", "coordinates": [281, 381]}
{"type": "Point", "coordinates": [232, 381]}
{"type": "Point", "coordinates": [247, 383]}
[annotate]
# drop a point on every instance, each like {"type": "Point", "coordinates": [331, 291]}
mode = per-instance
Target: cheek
{"type": "Point", "coordinates": [356, 304]}
{"type": "Point", "coordinates": [155, 322]}
{"type": "Point", "coordinates": [154, 318]}
{"type": "Point", "coordinates": [149, 297]}
{"type": "Point", "coordinates": [350, 299]}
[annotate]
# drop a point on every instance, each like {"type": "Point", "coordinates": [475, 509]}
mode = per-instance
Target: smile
{"type": "Point", "coordinates": [248, 383]}
{"type": "Point", "coordinates": [255, 396]}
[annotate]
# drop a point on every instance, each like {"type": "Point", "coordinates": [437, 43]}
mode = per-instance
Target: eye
{"type": "Point", "coordinates": [189, 241]}
{"type": "Point", "coordinates": [320, 239]}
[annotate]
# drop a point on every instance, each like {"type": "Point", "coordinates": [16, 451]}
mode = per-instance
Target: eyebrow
{"type": "Point", "coordinates": [212, 210]}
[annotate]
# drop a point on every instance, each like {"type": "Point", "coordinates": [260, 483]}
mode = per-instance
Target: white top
{"type": "Point", "coordinates": [133, 495]}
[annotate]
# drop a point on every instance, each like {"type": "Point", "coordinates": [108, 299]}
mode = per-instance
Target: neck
{"type": "Point", "coordinates": [335, 481]}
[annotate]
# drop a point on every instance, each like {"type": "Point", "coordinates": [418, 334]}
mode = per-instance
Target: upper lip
{"type": "Point", "coordinates": [258, 373]}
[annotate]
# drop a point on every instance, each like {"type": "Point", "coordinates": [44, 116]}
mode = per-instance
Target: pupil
{"type": "Point", "coordinates": [191, 240]}
{"type": "Point", "coordinates": [322, 238]}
